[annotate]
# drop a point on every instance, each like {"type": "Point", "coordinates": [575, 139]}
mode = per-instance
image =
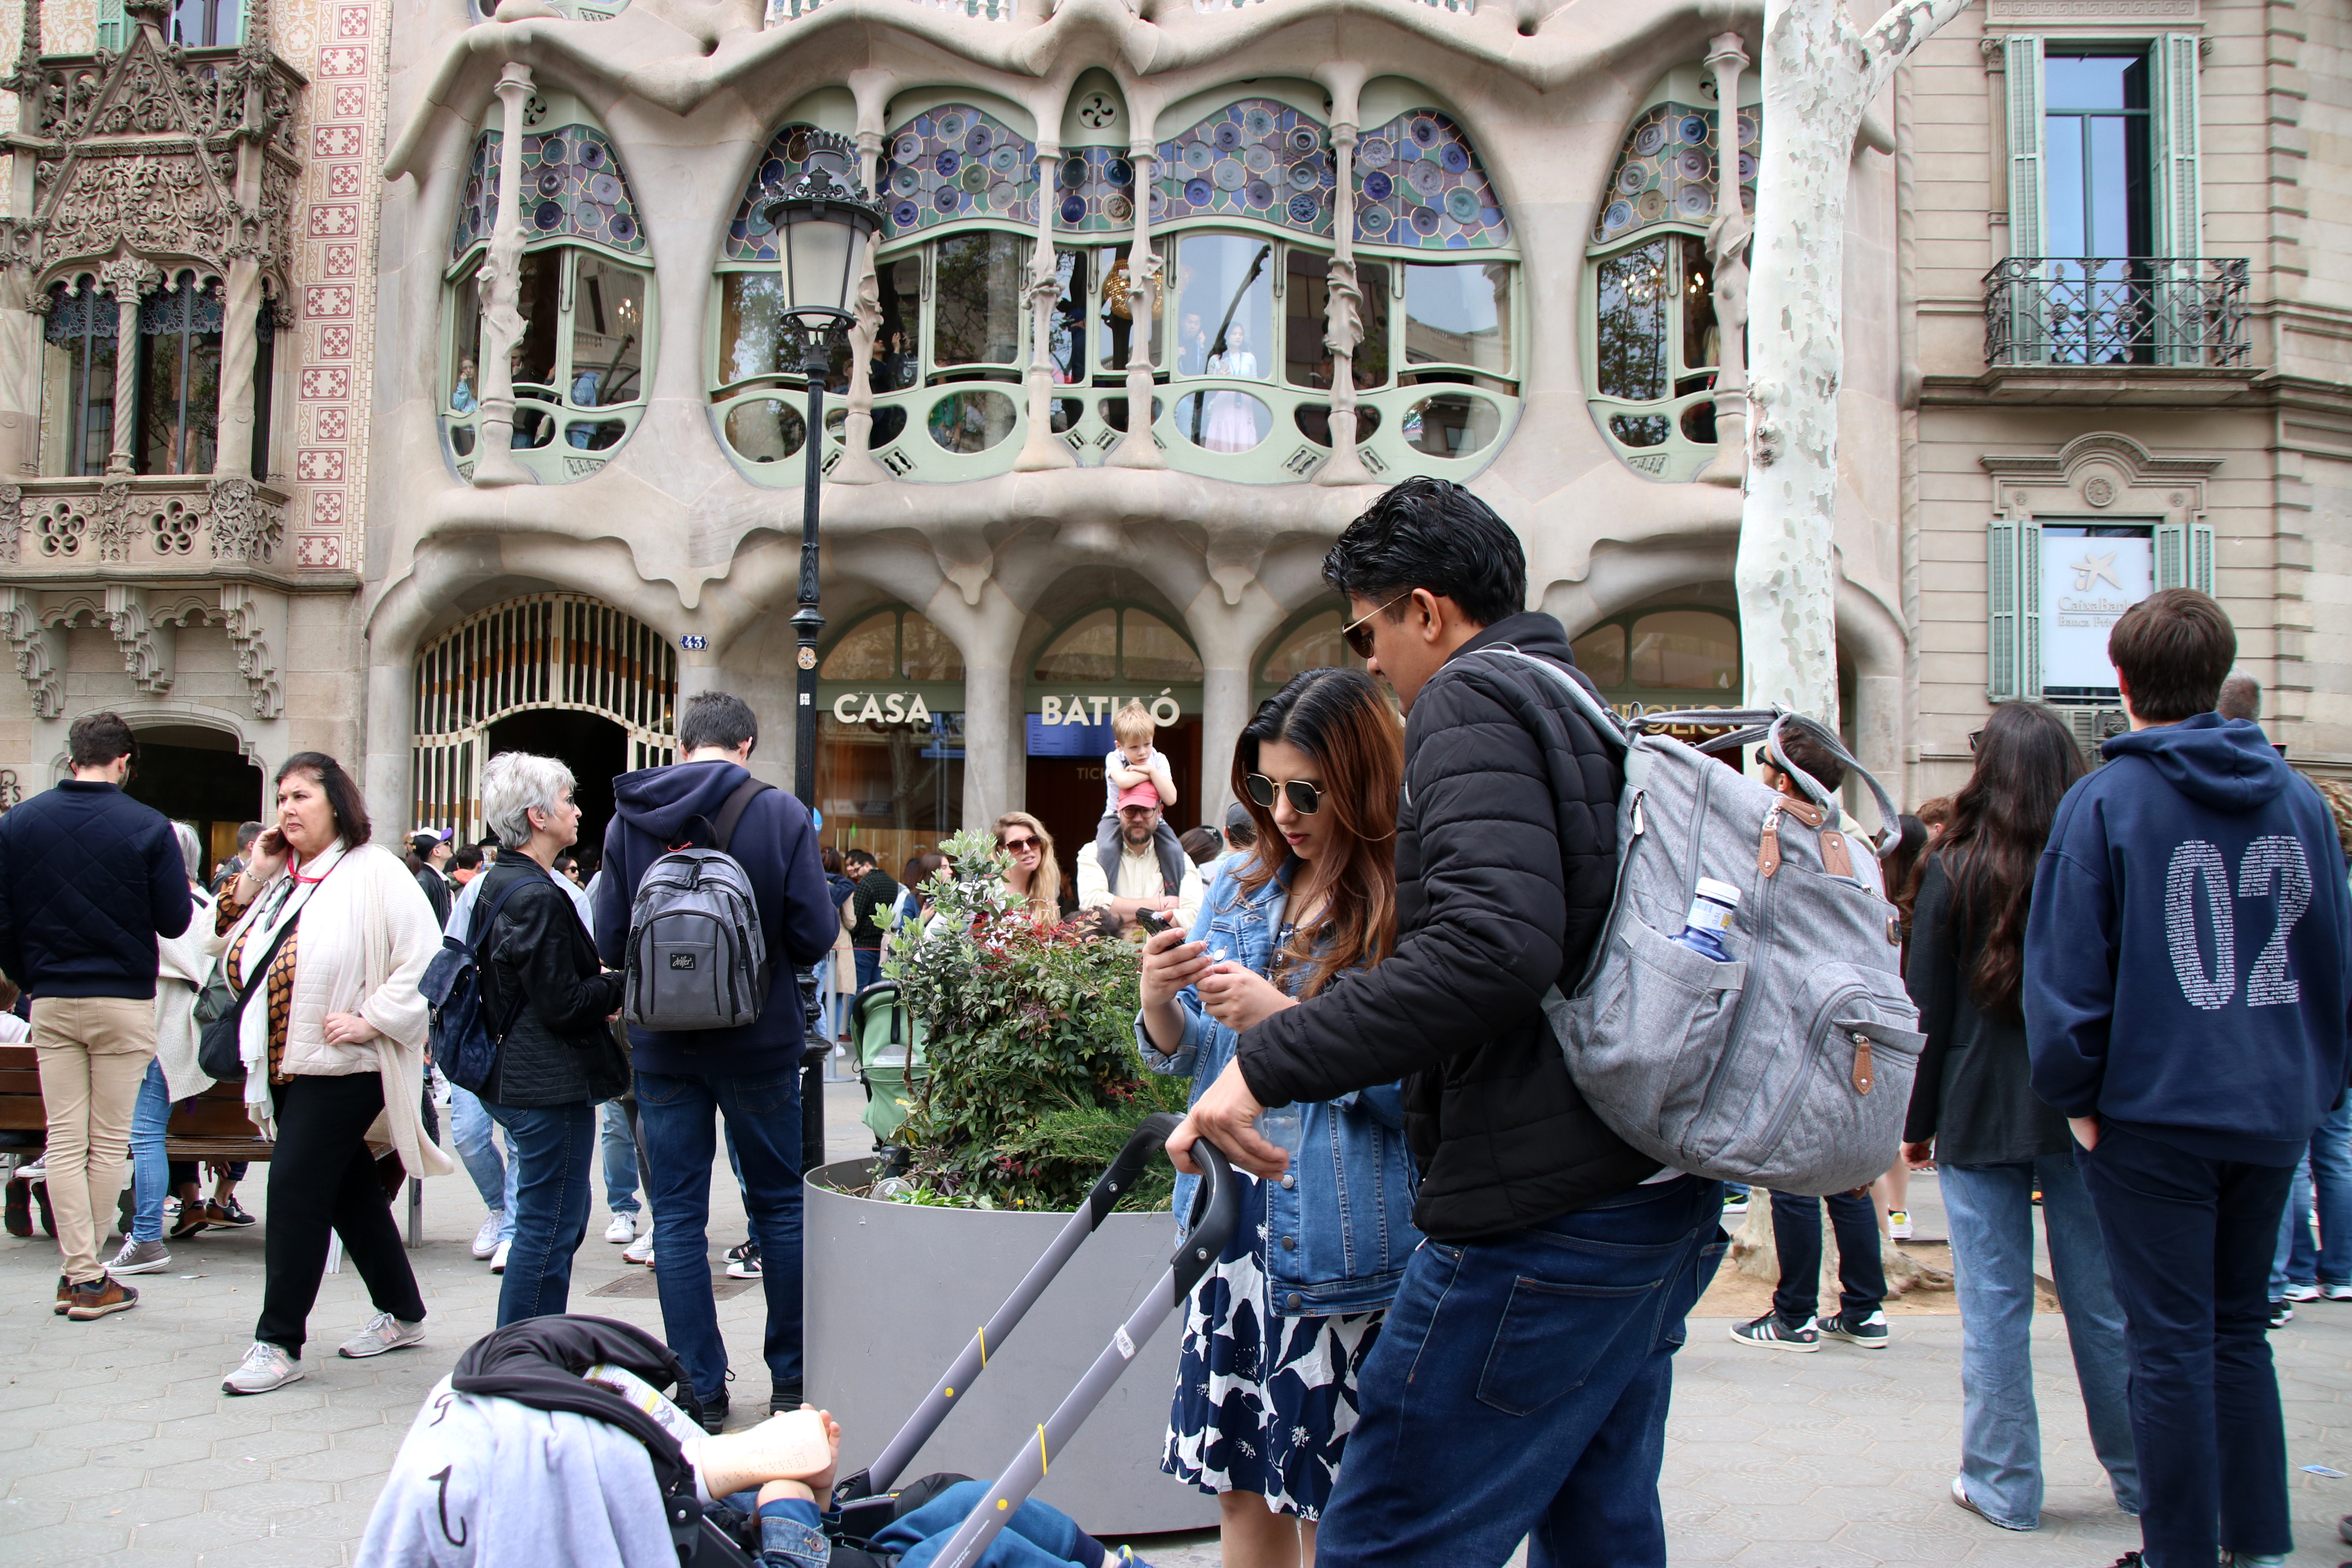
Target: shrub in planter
{"type": "Point", "coordinates": [1033, 1077]}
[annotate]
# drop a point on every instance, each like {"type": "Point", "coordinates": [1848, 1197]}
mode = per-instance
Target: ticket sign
{"type": "Point", "coordinates": [2090, 576]}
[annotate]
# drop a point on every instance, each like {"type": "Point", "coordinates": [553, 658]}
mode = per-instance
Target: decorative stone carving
{"type": "Point", "coordinates": [12, 520]}
{"type": "Point", "coordinates": [59, 528]}
{"type": "Point", "coordinates": [256, 621]}
{"type": "Point", "coordinates": [39, 650]}
{"type": "Point", "coordinates": [147, 644]}
{"type": "Point", "coordinates": [115, 526]}
{"type": "Point", "coordinates": [246, 525]}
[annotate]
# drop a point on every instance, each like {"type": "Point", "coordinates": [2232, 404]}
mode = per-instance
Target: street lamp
{"type": "Point", "coordinates": [822, 221]}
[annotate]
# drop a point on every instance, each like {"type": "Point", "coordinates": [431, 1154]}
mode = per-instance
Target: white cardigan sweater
{"type": "Point", "coordinates": [366, 935]}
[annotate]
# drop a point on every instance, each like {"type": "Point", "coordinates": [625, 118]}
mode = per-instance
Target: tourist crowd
{"type": "Point", "coordinates": [1447, 1319]}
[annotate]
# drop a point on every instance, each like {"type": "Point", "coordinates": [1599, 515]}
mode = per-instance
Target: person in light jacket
{"type": "Point", "coordinates": [333, 1052]}
{"type": "Point", "coordinates": [1275, 1332]}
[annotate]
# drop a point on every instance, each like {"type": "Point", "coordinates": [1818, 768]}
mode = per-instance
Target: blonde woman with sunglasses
{"type": "Point", "coordinates": [1034, 877]}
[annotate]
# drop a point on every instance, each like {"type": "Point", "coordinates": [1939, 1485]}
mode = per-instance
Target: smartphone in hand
{"type": "Point", "coordinates": [1152, 921]}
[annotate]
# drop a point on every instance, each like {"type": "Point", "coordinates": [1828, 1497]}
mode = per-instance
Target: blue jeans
{"type": "Point", "coordinates": [551, 1146]}
{"type": "Point", "coordinates": [868, 960]}
{"type": "Point", "coordinates": [151, 1180]}
{"type": "Point", "coordinates": [2188, 1247]}
{"type": "Point", "coordinates": [1797, 1236]}
{"type": "Point", "coordinates": [2327, 1165]}
{"type": "Point", "coordinates": [472, 1131]}
{"type": "Point", "coordinates": [620, 1160]}
{"type": "Point", "coordinates": [764, 1121]}
{"type": "Point", "coordinates": [1519, 1389]}
{"type": "Point", "coordinates": [1990, 1210]}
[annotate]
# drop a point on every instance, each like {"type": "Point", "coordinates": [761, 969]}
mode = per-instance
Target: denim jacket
{"type": "Point", "coordinates": [1339, 1221]}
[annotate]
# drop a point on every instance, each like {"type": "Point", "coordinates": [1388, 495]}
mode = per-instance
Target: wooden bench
{"type": "Point", "coordinates": [212, 1126]}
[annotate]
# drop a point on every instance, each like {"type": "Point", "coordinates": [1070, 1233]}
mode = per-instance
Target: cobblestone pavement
{"type": "Point", "coordinates": [117, 1446]}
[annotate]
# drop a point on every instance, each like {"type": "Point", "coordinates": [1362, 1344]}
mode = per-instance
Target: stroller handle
{"type": "Point", "coordinates": [1216, 1210]}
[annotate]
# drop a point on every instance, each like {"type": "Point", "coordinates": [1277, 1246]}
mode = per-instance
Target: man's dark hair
{"type": "Point", "coordinates": [1807, 752]}
{"type": "Point", "coordinates": [469, 858]}
{"type": "Point", "coordinates": [343, 796]}
{"type": "Point", "coordinates": [2173, 649]}
{"type": "Point", "coordinates": [247, 832]}
{"type": "Point", "coordinates": [96, 739]}
{"type": "Point", "coordinates": [858, 858]}
{"type": "Point", "coordinates": [717, 719]}
{"type": "Point", "coordinates": [2242, 697]}
{"type": "Point", "coordinates": [1433, 534]}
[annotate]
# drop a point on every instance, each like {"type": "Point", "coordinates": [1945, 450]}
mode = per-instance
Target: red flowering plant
{"type": "Point", "coordinates": [1033, 1079]}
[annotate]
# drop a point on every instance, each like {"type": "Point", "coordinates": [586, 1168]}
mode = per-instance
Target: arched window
{"type": "Point", "coordinates": [1119, 644]}
{"type": "Point", "coordinates": [179, 378]}
{"type": "Point", "coordinates": [78, 349]}
{"type": "Point", "coordinates": [1312, 643]}
{"type": "Point", "coordinates": [893, 645]}
{"type": "Point", "coordinates": [1653, 343]}
{"type": "Point", "coordinates": [175, 419]}
{"type": "Point", "coordinates": [1669, 656]}
{"type": "Point", "coordinates": [588, 325]}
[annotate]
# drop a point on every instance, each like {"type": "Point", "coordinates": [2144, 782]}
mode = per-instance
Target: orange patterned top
{"type": "Point", "coordinates": [280, 998]}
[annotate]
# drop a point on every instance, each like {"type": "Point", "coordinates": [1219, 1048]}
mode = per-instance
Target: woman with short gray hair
{"type": "Point", "coordinates": [549, 1002]}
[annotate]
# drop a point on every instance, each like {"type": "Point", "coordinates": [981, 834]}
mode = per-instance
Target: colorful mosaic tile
{"type": "Point", "coordinates": [1252, 159]}
{"type": "Point", "coordinates": [955, 163]}
{"type": "Point", "coordinates": [1419, 183]}
{"type": "Point", "coordinates": [749, 237]}
{"type": "Point", "coordinates": [1094, 191]}
{"type": "Point", "coordinates": [1667, 171]}
{"type": "Point", "coordinates": [572, 188]}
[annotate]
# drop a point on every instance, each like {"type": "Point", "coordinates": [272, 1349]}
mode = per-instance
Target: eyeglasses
{"type": "Point", "coordinates": [1306, 798]}
{"type": "Point", "coordinates": [1359, 638]}
{"type": "Point", "coordinates": [1974, 736]}
{"type": "Point", "coordinates": [1016, 846]}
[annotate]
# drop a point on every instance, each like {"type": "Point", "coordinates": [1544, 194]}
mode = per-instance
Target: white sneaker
{"type": "Point", "coordinates": [265, 1367]}
{"type": "Point", "coordinates": [640, 1250]}
{"type": "Point", "coordinates": [2337, 1292]}
{"type": "Point", "coordinates": [623, 1230]}
{"type": "Point", "coordinates": [499, 1257]}
{"type": "Point", "coordinates": [37, 1170]}
{"type": "Point", "coordinates": [1898, 1225]}
{"type": "Point", "coordinates": [2300, 1293]}
{"type": "Point", "coordinates": [384, 1332]}
{"type": "Point", "coordinates": [485, 1240]}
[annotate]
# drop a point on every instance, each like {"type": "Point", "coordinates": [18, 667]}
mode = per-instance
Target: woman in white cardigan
{"type": "Point", "coordinates": [334, 1058]}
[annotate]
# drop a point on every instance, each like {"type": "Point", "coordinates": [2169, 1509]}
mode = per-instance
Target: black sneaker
{"type": "Point", "coordinates": [228, 1213]}
{"type": "Point", "coordinates": [1870, 1333]}
{"type": "Point", "coordinates": [714, 1414]}
{"type": "Point", "coordinates": [747, 1248]}
{"type": "Point", "coordinates": [743, 1262]}
{"type": "Point", "coordinates": [2280, 1313]}
{"type": "Point", "coordinates": [1771, 1332]}
{"type": "Point", "coordinates": [785, 1399]}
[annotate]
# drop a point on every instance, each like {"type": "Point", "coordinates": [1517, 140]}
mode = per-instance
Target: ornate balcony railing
{"type": "Point", "coordinates": [2117, 310]}
{"type": "Point", "coordinates": [176, 526]}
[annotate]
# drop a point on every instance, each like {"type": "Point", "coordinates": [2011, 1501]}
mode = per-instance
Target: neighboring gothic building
{"type": "Point", "coordinates": [1164, 291]}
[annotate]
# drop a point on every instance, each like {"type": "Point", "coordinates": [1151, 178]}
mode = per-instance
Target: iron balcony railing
{"type": "Point", "coordinates": [2117, 310]}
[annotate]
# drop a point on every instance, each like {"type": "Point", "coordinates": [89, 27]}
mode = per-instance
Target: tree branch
{"type": "Point", "coordinates": [1903, 29]}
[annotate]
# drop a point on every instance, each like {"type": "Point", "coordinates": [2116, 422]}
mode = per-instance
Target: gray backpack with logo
{"type": "Point", "coordinates": [697, 956]}
{"type": "Point", "coordinates": [1789, 1067]}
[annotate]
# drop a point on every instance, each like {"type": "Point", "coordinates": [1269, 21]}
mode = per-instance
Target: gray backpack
{"type": "Point", "coordinates": [1790, 1066]}
{"type": "Point", "coordinates": [697, 956]}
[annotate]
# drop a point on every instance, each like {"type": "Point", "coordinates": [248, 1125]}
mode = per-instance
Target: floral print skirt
{"type": "Point", "coordinates": [1263, 1404]}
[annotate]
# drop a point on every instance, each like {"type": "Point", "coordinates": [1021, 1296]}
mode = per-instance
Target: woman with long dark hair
{"type": "Point", "coordinates": [1275, 1333]}
{"type": "Point", "coordinates": [1973, 1109]}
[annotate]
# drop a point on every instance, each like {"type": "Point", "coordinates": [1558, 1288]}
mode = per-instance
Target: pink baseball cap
{"type": "Point", "coordinates": [1144, 793]}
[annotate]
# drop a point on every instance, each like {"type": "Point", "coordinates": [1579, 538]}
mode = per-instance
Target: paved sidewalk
{"type": "Point", "coordinates": [117, 1446]}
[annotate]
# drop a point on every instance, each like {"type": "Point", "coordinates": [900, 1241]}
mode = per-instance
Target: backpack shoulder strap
{"type": "Point", "coordinates": [1599, 714]}
{"type": "Point", "coordinates": [722, 832]}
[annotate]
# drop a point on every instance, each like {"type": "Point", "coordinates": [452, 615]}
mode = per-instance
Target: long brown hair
{"type": "Point", "coordinates": [1339, 718]}
{"type": "Point", "coordinates": [1046, 886]}
{"type": "Point", "coordinates": [2026, 762]}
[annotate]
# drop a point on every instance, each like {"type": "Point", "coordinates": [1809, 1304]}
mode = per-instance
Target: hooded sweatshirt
{"type": "Point", "coordinates": [2186, 965]}
{"type": "Point", "coordinates": [776, 846]}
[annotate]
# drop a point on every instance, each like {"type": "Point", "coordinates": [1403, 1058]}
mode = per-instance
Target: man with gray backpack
{"type": "Point", "coordinates": [712, 899]}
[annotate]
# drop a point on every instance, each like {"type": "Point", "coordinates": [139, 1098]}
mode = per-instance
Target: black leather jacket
{"type": "Point", "coordinates": [540, 966]}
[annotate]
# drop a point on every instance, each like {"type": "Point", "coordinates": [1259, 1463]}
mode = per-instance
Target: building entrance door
{"type": "Point", "coordinates": [1065, 792]}
{"type": "Point", "coordinates": [593, 747]}
{"type": "Point", "coordinates": [197, 775]}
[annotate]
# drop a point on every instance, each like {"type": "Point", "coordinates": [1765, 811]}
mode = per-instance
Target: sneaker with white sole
{"type": "Point", "coordinates": [640, 1250]}
{"type": "Point", "coordinates": [384, 1332]}
{"type": "Point", "coordinates": [485, 1240]}
{"type": "Point", "coordinates": [264, 1368]}
{"type": "Point", "coordinates": [2300, 1292]}
{"type": "Point", "coordinates": [498, 1258]}
{"type": "Point", "coordinates": [139, 1257]}
{"type": "Point", "coordinates": [2337, 1292]}
{"type": "Point", "coordinates": [1870, 1333]}
{"type": "Point", "coordinates": [623, 1230]}
{"type": "Point", "coordinates": [1771, 1333]}
{"type": "Point", "coordinates": [746, 1266]}
{"type": "Point", "coordinates": [1898, 1224]}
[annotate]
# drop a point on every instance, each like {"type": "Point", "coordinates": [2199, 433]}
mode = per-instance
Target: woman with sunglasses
{"type": "Point", "coordinates": [1034, 877]}
{"type": "Point", "coordinates": [1275, 1333]}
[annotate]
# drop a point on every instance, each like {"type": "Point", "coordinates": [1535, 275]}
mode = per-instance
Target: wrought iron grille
{"type": "Point", "coordinates": [2117, 310]}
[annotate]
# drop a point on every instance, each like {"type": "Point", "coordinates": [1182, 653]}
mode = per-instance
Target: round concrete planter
{"type": "Point", "coordinates": [895, 1290]}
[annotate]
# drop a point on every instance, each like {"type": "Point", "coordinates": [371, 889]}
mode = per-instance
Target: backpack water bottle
{"type": "Point", "coordinates": [1712, 906]}
{"type": "Point", "coordinates": [698, 956]}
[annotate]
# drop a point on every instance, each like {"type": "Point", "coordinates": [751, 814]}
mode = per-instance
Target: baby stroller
{"type": "Point", "coordinates": [539, 1364]}
{"type": "Point", "coordinates": [887, 1043]}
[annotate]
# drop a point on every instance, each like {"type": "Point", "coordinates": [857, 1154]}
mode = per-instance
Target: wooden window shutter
{"type": "Point", "coordinates": [2022, 70]}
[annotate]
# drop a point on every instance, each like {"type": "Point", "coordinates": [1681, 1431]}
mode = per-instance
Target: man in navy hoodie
{"type": "Point", "coordinates": [751, 1075]}
{"type": "Point", "coordinates": [2186, 985]}
{"type": "Point", "coordinates": [89, 879]}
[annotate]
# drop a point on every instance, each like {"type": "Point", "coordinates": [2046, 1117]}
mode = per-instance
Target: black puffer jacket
{"type": "Point", "coordinates": [1505, 863]}
{"type": "Point", "coordinates": [558, 1050]}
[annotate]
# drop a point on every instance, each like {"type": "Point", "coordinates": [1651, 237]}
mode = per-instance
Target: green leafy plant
{"type": "Point", "coordinates": [1033, 1080]}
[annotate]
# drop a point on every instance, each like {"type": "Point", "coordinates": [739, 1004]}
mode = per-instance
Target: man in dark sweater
{"type": "Point", "coordinates": [89, 879]}
{"type": "Point", "coordinates": [2187, 981]}
{"type": "Point", "coordinates": [751, 1075]}
{"type": "Point", "coordinates": [1533, 1404]}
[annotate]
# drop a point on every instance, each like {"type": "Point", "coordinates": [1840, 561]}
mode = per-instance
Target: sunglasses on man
{"type": "Point", "coordinates": [1357, 633]}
